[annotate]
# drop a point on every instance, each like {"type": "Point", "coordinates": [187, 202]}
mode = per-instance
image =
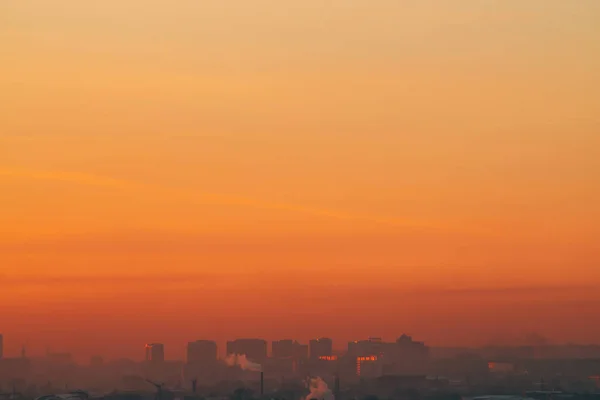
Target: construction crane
{"type": "Point", "coordinates": [159, 389]}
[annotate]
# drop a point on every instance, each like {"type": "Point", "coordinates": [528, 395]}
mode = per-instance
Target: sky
{"type": "Point", "coordinates": [173, 171]}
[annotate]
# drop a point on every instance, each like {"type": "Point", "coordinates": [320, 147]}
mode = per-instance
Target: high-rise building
{"type": "Point", "coordinates": [411, 348]}
{"type": "Point", "coordinates": [202, 352]}
{"type": "Point", "coordinates": [282, 348]}
{"type": "Point", "coordinates": [370, 347]}
{"type": "Point", "coordinates": [289, 348]}
{"type": "Point", "coordinates": [368, 366]}
{"type": "Point", "coordinates": [155, 352]}
{"type": "Point", "coordinates": [1, 346]}
{"type": "Point", "coordinates": [254, 349]}
{"type": "Point", "coordinates": [321, 347]}
{"type": "Point", "coordinates": [407, 357]}
{"type": "Point", "coordinates": [300, 351]}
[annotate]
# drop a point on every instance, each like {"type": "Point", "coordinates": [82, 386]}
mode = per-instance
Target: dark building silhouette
{"type": "Point", "coordinates": [14, 368]}
{"type": "Point", "coordinates": [407, 357]}
{"type": "Point", "coordinates": [289, 348]}
{"type": "Point", "coordinates": [254, 349]}
{"type": "Point", "coordinates": [370, 347]}
{"type": "Point", "coordinates": [409, 347]}
{"type": "Point", "coordinates": [155, 352]}
{"type": "Point", "coordinates": [404, 356]}
{"type": "Point", "coordinates": [1, 346]}
{"type": "Point", "coordinates": [202, 352]}
{"type": "Point", "coordinates": [288, 355]}
{"type": "Point", "coordinates": [300, 351]}
{"type": "Point", "coordinates": [368, 366]}
{"type": "Point", "coordinates": [282, 348]}
{"type": "Point", "coordinates": [322, 347]}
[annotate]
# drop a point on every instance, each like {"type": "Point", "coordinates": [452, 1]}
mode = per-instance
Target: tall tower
{"type": "Point", "coordinates": [254, 349]}
{"type": "Point", "coordinates": [321, 347]}
{"type": "Point", "coordinates": [202, 352]}
{"type": "Point", "coordinates": [155, 352]}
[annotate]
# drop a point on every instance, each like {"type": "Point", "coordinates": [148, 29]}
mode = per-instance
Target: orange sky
{"type": "Point", "coordinates": [355, 168]}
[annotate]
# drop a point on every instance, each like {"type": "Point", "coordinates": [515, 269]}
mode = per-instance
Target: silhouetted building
{"type": "Point", "coordinates": [321, 347]}
{"type": "Point", "coordinates": [254, 349]}
{"type": "Point", "coordinates": [1, 346]}
{"type": "Point", "coordinates": [202, 352]}
{"type": "Point", "coordinates": [370, 347]}
{"type": "Point", "coordinates": [406, 356]}
{"type": "Point", "coordinates": [289, 349]}
{"type": "Point", "coordinates": [282, 348]}
{"type": "Point", "coordinates": [301, 351]}
{"type": "Point", "coordinates": [155, 352]}
{"type": "Point", "coordinates": [368, 366]}
{"type": "Point", "coordinates": [14, 368]}
{"type": "Point", "coordinates": [406, 342]}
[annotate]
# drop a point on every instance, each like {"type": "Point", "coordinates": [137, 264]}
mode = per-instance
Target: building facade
{"type": "Point", "coordinates": [282, 348]}
{"type": "Point", "coordinates": [254, 349]}
{"type": "Point", "coordinates": [322, 347]}
{"type": "Point", "coordinates": [202, 352]}
{"type": "Point", "coordinates": [155, 352]}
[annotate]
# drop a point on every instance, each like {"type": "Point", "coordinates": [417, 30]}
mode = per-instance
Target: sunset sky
{"type": "Point", "coordinates": [180, 170]}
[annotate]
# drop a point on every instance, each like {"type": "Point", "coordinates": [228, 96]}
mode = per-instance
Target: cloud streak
{"type": "Point", "coordinates": [49, 280]}
{"type": "Point", "coordinates": [204, 197]}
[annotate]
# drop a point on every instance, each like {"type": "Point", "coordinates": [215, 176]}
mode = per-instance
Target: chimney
{"type": "Point", "coordinates": [262, 383]}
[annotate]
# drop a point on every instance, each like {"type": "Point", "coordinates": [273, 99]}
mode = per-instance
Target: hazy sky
{"type": "Point", "coordinates": [179, 170]}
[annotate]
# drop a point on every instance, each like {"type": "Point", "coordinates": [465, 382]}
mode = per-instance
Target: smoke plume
{"type": "Point", "coordinates": [319, 390]}
{"type": "Point", "coordinates": [242, 361]}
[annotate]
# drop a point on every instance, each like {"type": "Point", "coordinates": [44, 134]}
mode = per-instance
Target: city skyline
{"type": "Point", "coordinates": [199, 168]}
{"type": "Point", "coordinates": [304, 349]}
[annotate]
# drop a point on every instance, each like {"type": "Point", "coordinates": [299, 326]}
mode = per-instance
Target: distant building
{"type": "Point", "coordinates": [155, 352]}
{"type": "Point", "coordinates": [370, 347]}
{"type": "Point", "coordinates": [14, 368]}
{"type": "Point", "coordinates": [1, 346]}
{"type": "Point", "coordinates": [501, 367]}
{"type": "Point", "coordinates": [408, 356]}
{"type": "Point", "coordinates": [254, 349]}
{"type": "Point", "coordinates": [300, 351]}
{"type": "Point", "coordinates": [408, 347]}
{"type": "Point", "coordinates": [368, 367]}
{"type": "Point", "coordinates": [282, 348]}
{"type": "Point", "coordinates": [289, 348]}
{"type": "Point", "coordinates": [202, 352]}
{"type": "Point", "coordinates": [320, 347]}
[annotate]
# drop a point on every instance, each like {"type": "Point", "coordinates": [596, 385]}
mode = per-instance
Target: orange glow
{"type": "Point", "coordinates": [367, 358]}
{"type": "Point", "coordinates": [237, 169]}
{"type": "Point", "coordinates": [361, 360]}
{"type": "Point", "coordinates": [328, 358]}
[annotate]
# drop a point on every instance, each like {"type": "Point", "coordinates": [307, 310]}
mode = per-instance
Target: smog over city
{"type": "Point", "coordinates": [299, 200]}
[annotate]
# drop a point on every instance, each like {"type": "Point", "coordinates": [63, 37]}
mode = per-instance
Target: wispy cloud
{"type": "Point", "coordinates": [50, 280]}
{"type": "Point", "coordinates": [207, 197]}
{"type": "Point", "coordinates": [62, 176]}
